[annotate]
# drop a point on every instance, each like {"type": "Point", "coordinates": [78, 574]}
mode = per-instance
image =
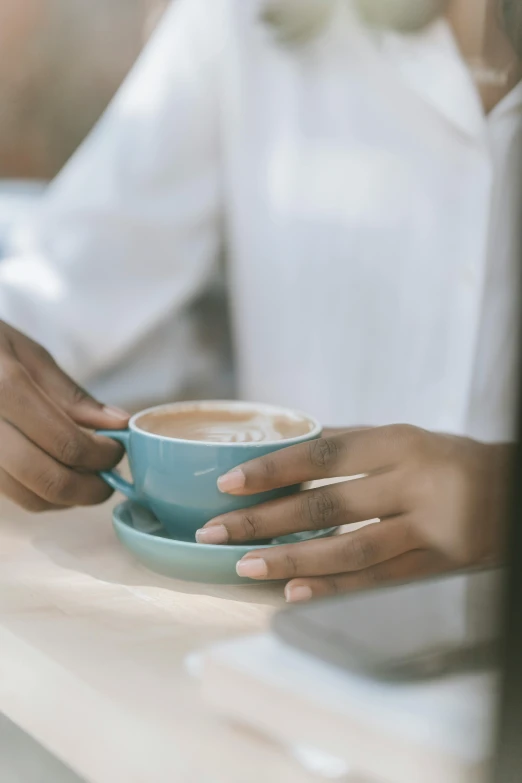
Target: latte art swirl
{"type": "Point", "coordinates": [257, 429]}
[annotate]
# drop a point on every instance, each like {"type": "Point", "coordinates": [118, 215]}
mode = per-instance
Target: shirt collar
{"type": "Point", "coordinates": [512, 102]}
{"type": "Point", "coordinates": [431, 64]}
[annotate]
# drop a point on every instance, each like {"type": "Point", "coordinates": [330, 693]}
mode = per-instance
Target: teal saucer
{"type": "Point", "coordinates": [141, 533]}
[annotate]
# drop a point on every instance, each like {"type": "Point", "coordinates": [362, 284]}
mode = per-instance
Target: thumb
{"type": "Point", "coordinates": [86, 411]}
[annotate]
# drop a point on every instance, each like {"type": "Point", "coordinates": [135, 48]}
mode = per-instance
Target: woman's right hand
{"type": "Point", "coordinates": [48, 457]}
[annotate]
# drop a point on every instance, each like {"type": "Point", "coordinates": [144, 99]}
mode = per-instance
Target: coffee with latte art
{"type": "Point", "coordinates": [219, 424]}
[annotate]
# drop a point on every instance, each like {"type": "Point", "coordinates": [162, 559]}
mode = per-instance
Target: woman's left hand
{"type": "Point", "coordinates": [439, 499]}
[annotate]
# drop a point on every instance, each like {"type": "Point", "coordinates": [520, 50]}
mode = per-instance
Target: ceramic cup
{"type": "Point", "coordinates": [177, 479]}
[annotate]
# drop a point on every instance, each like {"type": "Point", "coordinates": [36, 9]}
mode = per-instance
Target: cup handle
{"type": "Point", "coordinates": [112, 477]}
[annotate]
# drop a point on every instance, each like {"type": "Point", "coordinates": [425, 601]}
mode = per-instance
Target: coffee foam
{"type": "Point", "coordinates": [225, 425]}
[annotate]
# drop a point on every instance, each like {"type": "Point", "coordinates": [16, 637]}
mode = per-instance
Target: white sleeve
{"type": "Point", "coordinates": [129, 230]}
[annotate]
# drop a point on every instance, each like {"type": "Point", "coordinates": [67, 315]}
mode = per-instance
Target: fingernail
{"type": "Point", "coordinates": [215, 534]}
{"type": "Point", "coordinates": [232, 481]}
{"type": "Point", "coordinates": [253, 567]}
{"type": "Point", "coordinates": [297, 594]}
{"type": "Point", "coordinates": [115, 413]}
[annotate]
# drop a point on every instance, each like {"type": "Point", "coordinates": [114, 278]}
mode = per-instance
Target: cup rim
{"type": "Point", "coordinates": [241, 404]}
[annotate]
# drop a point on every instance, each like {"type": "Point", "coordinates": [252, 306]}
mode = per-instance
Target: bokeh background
{"type": "Point", "coordinates": [61, 61]}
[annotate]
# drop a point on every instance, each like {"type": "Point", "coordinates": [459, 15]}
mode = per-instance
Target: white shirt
{"type": "Point", "coordinates": [366, 208]}
{"type": "Point", "coordinates": [18, 199]}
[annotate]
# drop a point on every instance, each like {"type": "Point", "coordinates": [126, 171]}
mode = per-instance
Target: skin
{"type": "Point", "coordinates": [439, 499]}
{"type": "Point", "coordinates": [49, 459]}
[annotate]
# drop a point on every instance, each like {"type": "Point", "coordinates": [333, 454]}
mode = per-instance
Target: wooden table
{"type": "Point", "coordinates": [92, 650]}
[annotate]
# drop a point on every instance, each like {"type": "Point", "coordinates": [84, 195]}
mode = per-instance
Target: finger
{"type": "Point", "coordinates": [14, 491]}
{"type": "Point", "coordinates": [42, 475]}
{"type": "Point", "coordinates": [356, 551]}
{"type": "Point", "coordinates": [28, 408]}
{"type": "Point", "coordinates": [330, 432]}
{"type": "Point", "coordinates": [350, 454]}
{"type": "Point", "coordinates": [406, 567]}
{"type": "Point", "coordinates": [373, 497]}
{"type": "Point", "coordinates": [78, 403]}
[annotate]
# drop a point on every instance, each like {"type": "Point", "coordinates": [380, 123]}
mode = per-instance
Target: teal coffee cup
{"type": "Point", "coordinates": [175, 467]}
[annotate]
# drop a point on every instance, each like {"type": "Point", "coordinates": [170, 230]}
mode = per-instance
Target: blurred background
{"type": "Point", "coordinates": [61, 61]}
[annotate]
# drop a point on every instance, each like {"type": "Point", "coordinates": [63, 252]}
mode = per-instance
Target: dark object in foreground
{"type": "Point", "coordinates": [404, 632]}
